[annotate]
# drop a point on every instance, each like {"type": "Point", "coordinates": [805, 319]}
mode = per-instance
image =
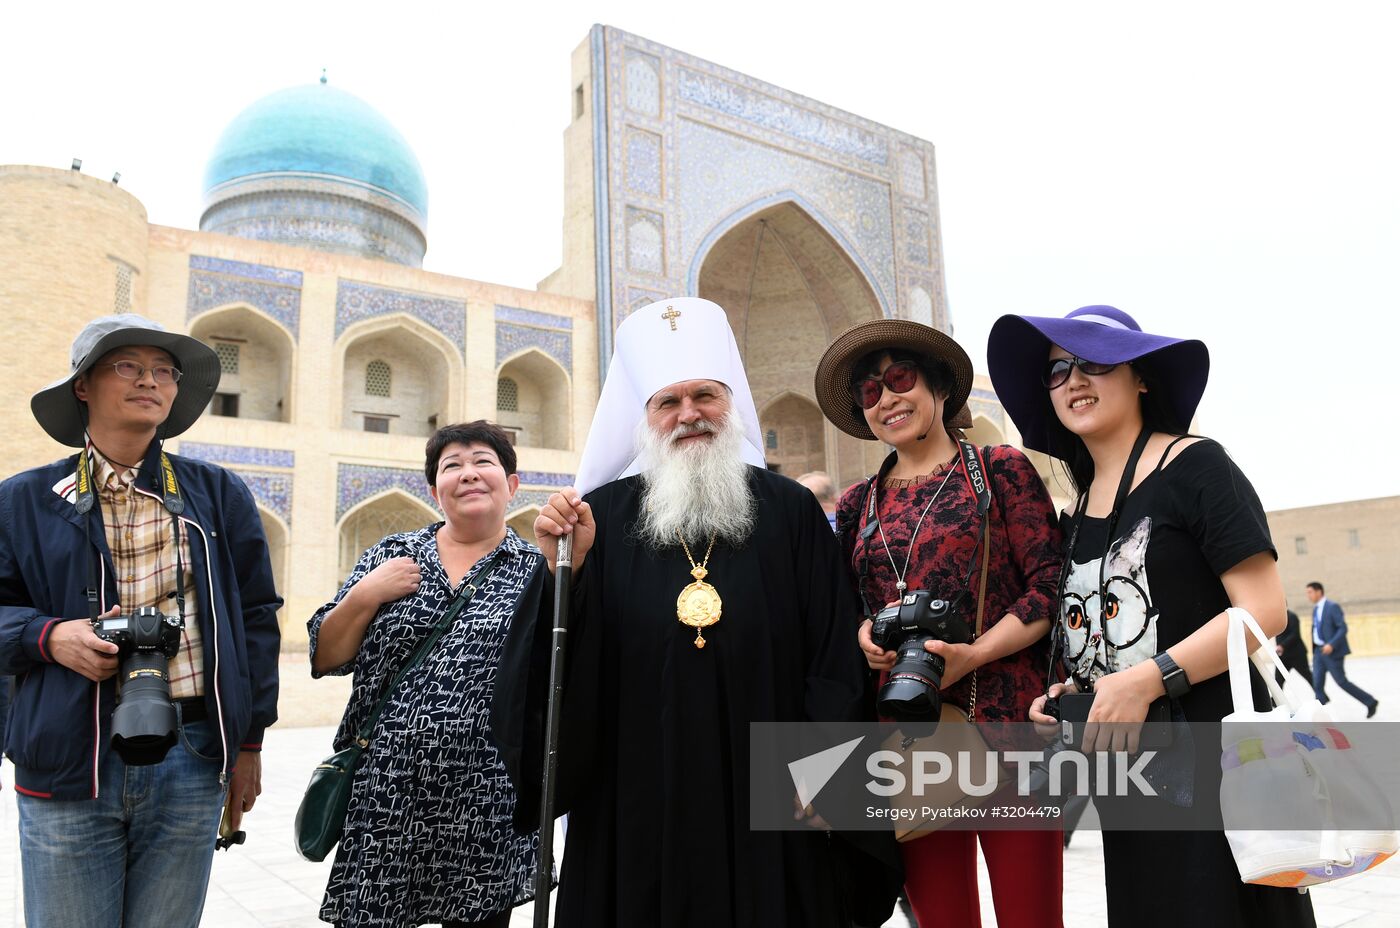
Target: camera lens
{"type": "Point", "coordinates": [143, 727]}
{"type": "Point", "coordinates": [911, 692]}
{"type": "Point", "coordinates": [144, 724]}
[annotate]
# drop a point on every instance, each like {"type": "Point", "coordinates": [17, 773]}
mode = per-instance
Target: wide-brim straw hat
{"type": "Point", "coordinates": [1018, 349]}
{"type": "Point", "coordinates": [61, 413]}
{"type": "Point", "coordinates": [835, 370]}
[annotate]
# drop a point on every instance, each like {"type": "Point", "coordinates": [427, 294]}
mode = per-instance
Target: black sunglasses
{"type": "Point", "coordinates": [900, 377]}
{"type": "Point", "coordinates": [1057, 371]}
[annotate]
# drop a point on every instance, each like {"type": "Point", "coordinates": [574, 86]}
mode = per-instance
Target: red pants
{"type": "Point", "coordinates": [1025, 869]}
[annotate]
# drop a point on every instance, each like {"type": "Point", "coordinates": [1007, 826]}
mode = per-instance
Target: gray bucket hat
{"type": "Point", "coordinates": [61, 413]}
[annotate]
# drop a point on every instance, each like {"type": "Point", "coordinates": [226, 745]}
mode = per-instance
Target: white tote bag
{"type": "Point", "coordinates": [1291, 762]}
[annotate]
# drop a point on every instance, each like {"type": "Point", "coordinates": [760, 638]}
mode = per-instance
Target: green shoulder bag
{"type": "Point", "coordinates": [321, 815]}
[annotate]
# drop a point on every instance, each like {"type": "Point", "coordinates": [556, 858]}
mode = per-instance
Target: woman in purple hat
{"type": "Point", "coordinates": [1165, 533]}
{"type": "Point", "coordinates": [975, 528]}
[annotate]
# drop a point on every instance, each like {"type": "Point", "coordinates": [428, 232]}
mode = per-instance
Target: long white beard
{"type": "Point", "coordinates": [698, 488]}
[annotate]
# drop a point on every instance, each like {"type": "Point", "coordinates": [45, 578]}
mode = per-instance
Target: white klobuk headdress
{"type": "Point", "coordinates": [668, 342]}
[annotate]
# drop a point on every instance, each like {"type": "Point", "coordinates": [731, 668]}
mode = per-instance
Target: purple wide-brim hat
{"type": "Point", "coordinates": [1019, 348]}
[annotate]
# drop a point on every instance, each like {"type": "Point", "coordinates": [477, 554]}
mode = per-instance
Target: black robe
{"type": "Point", "coordinates": [654, 751]}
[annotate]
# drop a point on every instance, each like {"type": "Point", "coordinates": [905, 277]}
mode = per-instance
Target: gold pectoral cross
{"type": "Point", "coordinates": [671, 315]}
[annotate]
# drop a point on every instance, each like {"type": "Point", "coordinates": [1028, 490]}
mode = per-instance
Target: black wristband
{"type": "Point", "coordinates": [1173, 677]}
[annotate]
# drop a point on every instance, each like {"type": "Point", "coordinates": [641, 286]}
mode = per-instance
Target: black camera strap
{"type": "Point", "coordinates": [1125, 486]}
{"type": "Point", "coordinates": [471, 584]}
{"type": "Point", "coordinates": [973, 466]}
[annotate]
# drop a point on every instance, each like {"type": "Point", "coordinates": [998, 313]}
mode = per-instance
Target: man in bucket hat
{"type": "Point", "coordinates": [122, 832]}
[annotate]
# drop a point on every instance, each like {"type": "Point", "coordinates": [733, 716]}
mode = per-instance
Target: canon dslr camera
{"type": "Point", "coordinates": [911, 692]}
{"type": "Point", "coordinates": [144, 723]}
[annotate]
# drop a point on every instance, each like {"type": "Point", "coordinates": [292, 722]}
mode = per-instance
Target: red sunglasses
{"type": "Point", "coordinates": [900, 377]}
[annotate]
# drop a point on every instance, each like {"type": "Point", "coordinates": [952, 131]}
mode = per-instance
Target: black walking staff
{"type": "Point", "coordinates": [563, 573]}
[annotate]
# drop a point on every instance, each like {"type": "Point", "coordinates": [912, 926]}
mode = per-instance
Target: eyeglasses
{"type": "Point", "coordinates": [1057, 371]}
{"type": "Point", "coordinates": [900, 377]}
{"type": "Point", "coordinates": [161, 373]}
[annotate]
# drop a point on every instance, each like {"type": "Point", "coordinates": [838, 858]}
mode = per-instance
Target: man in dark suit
{"type": "Point", "coordinates": [1330, 649]}
{"type": "Point", "coordinates": [1289, 646]}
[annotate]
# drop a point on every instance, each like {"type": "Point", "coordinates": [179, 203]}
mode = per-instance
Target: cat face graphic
{"type": "Point", "coordinates": [1115, 628]}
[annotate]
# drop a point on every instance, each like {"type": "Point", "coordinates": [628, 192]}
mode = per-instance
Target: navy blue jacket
{"type": "Point", "coordinates": [1332, 628]}
{"type": "Point", "coordinates": [60, 722]}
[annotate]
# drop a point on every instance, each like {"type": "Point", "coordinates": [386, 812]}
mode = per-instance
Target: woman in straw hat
{"type": "Point", "coordinates": [918, 525]}
{"type": "Point", "coordinates": [1165, 534]}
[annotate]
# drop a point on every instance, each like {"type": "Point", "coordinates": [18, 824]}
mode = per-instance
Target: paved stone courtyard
{"type": "Point", "coordinates": [264, 884]}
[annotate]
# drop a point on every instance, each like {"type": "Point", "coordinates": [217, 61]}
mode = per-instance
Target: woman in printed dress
{"type": "Point", "coordinates": [428, 835]}
{"type": "Point", "coordinates": [907, 385]}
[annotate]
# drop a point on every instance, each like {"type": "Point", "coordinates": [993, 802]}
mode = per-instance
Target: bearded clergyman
{"type": "Point", "coordinates": [707, 594]}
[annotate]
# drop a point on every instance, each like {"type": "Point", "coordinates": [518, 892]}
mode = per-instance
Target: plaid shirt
{"type": "Point", "coordinates": [139, 536]}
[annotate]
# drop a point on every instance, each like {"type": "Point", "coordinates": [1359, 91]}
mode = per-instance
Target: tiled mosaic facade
{"type": "Point", "coordinates": [518, 329]}
{"type": "Point", "coordinates": [215, 282]}
{"type": "Point", "coordinates": [338, 221]}
{"type": "Point", "coordinates": [544, 479]}
{"type": "Point", "coordinates": [526, 499]}
{"type": "Point", "coordinates": [637, 297]}
{"type": "Point", "coordinates": [355, 483]}
{"type": "Point", "coordinates": [271, 489]}
{"type": "Point", "coordinates": [533, 317]}
{"type": "Point", "coordinates": [694, 149]}
{"type": "Point", "coordinates": [355, 302]}
{"type": "Point", "coordinates": [238, 455]}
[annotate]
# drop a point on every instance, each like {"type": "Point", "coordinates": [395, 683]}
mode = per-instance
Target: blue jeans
{"type": "Point", "coordinates": [139, 854]}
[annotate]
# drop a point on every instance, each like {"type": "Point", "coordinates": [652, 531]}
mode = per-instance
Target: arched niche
{"type": "Point", "coordinates": [984, 432]}
{"type": "Point", "coordinates": [387, 514]}
{"type": "Point", "coordinates": [276, 532]}
{"type": "Point", "coordinates": [794, 435]}
{"type": "Point", "coordinates": [533, 400]}
{"type": "Point", "coordinates": [789, 287]}
{"type": "Point", "coordinates": [523, 521]}
{"type": "Point", "coordinates": [255, 357]}
{"type": "Point", "coordinates": [395, 378]}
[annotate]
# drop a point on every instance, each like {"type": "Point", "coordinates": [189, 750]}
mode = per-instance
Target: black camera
{"type": "Point", "coordinates": [1071, 710]}
{"type": "Point", "coordinates": [144, 723]}
{"type": "Point", "coordinates": [911, 692]}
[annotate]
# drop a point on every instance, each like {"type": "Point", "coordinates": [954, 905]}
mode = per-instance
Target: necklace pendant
{"type": "Point", "coordinates": [901, 586]}
{"type": "Point", "coordinates": [699, 606]}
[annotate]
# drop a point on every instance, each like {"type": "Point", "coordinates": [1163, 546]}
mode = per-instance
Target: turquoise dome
{"type": "Point", "coordinates": [318, 130]}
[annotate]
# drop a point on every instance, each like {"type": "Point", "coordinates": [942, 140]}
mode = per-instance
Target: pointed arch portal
{"type": "Point", "coordinates": [789, 288]}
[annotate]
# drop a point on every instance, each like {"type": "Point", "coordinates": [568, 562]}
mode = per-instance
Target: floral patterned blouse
{"type": "Point", "coordinates": [1023, 567]}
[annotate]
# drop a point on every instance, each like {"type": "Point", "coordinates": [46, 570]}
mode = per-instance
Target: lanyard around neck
{"type": "Point", "coordinates": [974, 470]}
{"type": "Point", "coordinates": [1125, 486]}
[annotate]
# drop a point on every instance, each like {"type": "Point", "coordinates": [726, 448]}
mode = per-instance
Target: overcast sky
{"type": "Point", "coordinates": [1228, 171]}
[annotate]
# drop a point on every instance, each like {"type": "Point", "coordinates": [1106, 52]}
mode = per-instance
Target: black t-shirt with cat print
{"type": "Point", "coordinates": [1183, 526]}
